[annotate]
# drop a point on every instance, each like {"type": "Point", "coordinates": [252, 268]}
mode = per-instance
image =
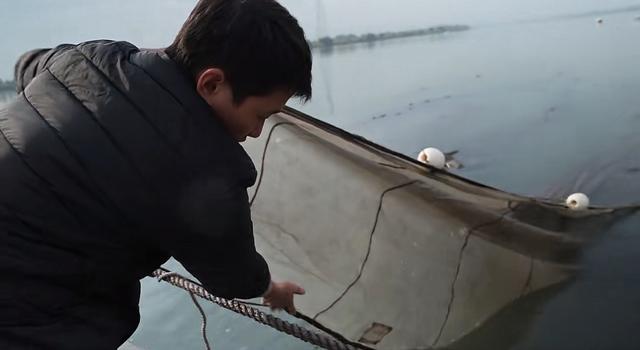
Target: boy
{"type": "Point", "coordinates": [115, 158]}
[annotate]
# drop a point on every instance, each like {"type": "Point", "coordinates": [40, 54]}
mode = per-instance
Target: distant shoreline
{"type": "Point", "coordinates": [327, 42]}
{"type": "Point", "coordinates": [340, 40]}
{"type": "Point", "coordinates": [8, 85]}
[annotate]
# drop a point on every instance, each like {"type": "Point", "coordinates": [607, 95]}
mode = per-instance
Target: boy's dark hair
{"type": "Point", "coordinates": [257, 43]}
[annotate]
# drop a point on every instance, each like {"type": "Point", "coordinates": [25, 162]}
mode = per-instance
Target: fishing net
{"type": "Point", "coordinates": [393, 253]}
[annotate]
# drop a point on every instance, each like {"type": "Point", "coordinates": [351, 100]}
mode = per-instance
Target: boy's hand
{"type": "Point", "coordinates": [280, 296]}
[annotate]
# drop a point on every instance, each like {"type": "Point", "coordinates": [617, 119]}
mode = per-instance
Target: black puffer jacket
{"type": "Point", "coordinates": [110, 163]}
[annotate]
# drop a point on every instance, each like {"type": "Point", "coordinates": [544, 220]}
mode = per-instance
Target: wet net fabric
{"type": "Point", "coordinates": [395, 254]}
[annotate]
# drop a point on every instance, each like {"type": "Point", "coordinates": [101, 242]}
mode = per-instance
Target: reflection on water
{"type": "Point", "coordinates": [5, 97]}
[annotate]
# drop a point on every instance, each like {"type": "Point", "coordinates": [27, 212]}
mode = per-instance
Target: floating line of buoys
{"type": "Point", "coordinates": [434, 157]}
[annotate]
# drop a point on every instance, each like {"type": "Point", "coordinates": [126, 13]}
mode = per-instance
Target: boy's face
{"type": "Point", "coordinates": [246, 118]}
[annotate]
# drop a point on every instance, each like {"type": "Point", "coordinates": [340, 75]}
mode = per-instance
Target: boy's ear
{"type": "Point", "coordinates": [209, 82]}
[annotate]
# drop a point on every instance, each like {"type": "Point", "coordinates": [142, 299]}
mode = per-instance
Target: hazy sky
{"type": "Point", "coordinates": [27, 24]}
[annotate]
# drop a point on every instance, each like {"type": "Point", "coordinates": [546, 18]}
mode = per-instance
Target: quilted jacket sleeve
{"type": "Point", "coordinates": [217, 243]}
{"type": "Point", "coordinates": [31, 63]}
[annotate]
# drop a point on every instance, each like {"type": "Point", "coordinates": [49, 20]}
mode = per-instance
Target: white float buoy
{"type": "Point", "coordinates": [433, 157]}
{"type": "Point", "coordinates": [578, 201]}
{"type": "Point", "coordinates": [599, 20]}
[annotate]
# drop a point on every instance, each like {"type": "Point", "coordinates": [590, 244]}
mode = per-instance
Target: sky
{"type": "Point", "coordinates": [28, 24]}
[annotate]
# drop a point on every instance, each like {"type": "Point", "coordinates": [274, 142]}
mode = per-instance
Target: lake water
{"type": "Point", "coordinates": [526, 104]}
{"type": "Point", "coordinates": [539, 108]}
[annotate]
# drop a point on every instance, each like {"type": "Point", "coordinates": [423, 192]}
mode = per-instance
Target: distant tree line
{"type": "Point", "coordinates": [371, 37]}
{"type": "Point", "coordinates": [8, 85]}
{"type": "Point", "coordinates": [324, 42]}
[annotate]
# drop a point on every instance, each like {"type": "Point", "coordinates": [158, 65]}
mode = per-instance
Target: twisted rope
{"type": "Point", "coordinates": [203, 316]}
{"type": "Point", "coordinates": [292, 329]}
{"type": "Point", "coordinates": [162, 275]}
